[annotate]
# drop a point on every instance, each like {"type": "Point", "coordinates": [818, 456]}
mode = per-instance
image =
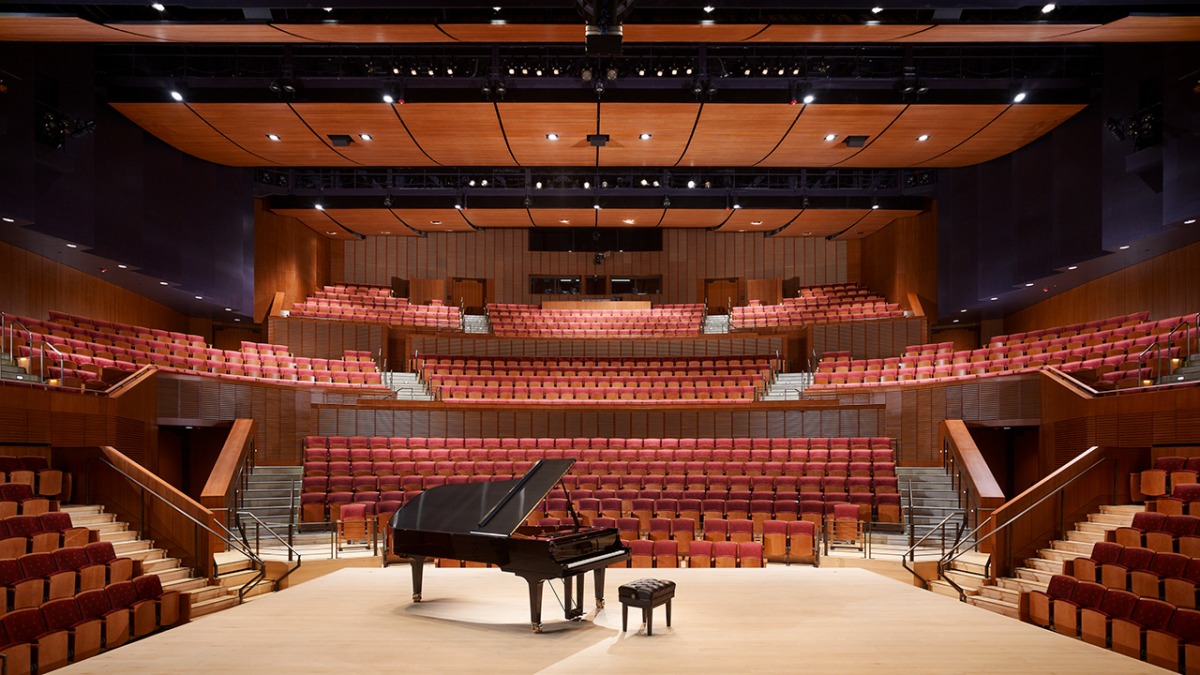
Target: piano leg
{"type": "Point", "coordinates": [418, 569]}
{"type": "Point", "coordinates": [599, 579]}
{"type": "Point", "coordinates": [579, 598]}
{"type": "Point", "coordinates": [573, 601]}
{"type": "Point", "coordinates": [535, 603]}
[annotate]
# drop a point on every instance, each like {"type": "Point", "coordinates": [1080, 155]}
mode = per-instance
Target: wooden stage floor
{"type": "Point", "coordinates": [773, 620]}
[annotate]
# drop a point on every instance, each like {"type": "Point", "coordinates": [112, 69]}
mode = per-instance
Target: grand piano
{"type": "Point", "coordinates": [482, 522]}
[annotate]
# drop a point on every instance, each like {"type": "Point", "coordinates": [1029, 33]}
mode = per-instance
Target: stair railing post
{"type": "Point", "coordinates": [291, 518]}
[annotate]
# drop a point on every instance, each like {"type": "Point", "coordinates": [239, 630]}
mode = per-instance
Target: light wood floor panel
{"type": "Point", "coordinates": [778, 619]}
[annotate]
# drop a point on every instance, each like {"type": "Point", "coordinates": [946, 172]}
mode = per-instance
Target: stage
{"type": "Point", "coordinates": [773, 620]}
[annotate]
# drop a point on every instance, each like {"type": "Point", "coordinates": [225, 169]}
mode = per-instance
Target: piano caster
{"type": "Point", "coordinates": [416, 597]}
{"type": "Point", "coordinates": [599, 603]}
{"type": "Point", "coordinates": [537, 627]}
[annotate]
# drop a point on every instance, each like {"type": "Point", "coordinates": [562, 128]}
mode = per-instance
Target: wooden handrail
{"type": "Point", "coordinates": [979, 493]}
{"type": "Point", "coordinates": [165, 525]}
{"type": "Point", "coordinates": [220, 490]}
{"type": "Point", "coordinates": [914, 301]}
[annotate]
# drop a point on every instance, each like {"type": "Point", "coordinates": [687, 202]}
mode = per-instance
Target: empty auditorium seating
{"type": "Point", "coordinates": [375, 304]}
{"type": "Point", "coordinates": [1101, 353]}
{"type": "Point", "coordinates": [510, 320]}
{"type": "Point", "coordinates": [816, 304]}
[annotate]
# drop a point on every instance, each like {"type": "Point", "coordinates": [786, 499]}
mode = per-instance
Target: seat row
{"type": "Point", "coordinates": [69, 630]}
{"type": "Point", "coordinates": [1069, 330]}
{"type": "Point", "coordinates": [1160, 532]}
{"type": "Point", "coordinates": [31, 470]}
{"type": "Point", "coordinates": [123, 329]}
{"type": "Point", "coordinates": [601, 443]}
{"type": "Point", "coordinates": [19, 498]}
{"type": "Point", "coordinates": [35, 578]}
{"type": "Point", "coordinates": [624, 395]}
{"type": "Point", "coordinates": [1139, 627]}
{"type": "Point", "coordinates": [629, 460]}
{"type": "Point", "coordinates": [45, 532]}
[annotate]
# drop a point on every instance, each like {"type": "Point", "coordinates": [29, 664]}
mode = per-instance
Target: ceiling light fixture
{"type": "Point", "coordinates": [993, 299]}
{"type": "Point", "coordinates": [1048, 7]}
{"type": "Point", "coordinates": [552, 137]}
{"type": "Point", "coordinates": [72, 246]}
{"type": "Point", "coordinates": [709, 9]}
{"type": "Point", "coordinates": [808, 98]}
{"type": "Point", "coordinates": [122, 266]}
{"type": "Point", "coordinates": [876, 10]}
{"type": "Point", "coordinates": [629, 221]}
{"type": "Point", "coordinates": [158, 6]}
{"type": "Point", "coordinates": [1073, 267]}
{"type": "Point", "coordinates": [1189, 221]}
{"type": "Point", "coordinates": [273, 137]}
{"type": "Point", "coordinates": [1020, 96]}
{"type": "Point", "coordinates": [177, 96]}
{"type": "Point", "coordinates": [830, 137]}
{"type": "Point", "coordinates": [564, 221]}
{"type": "Point", "coordinates": [199, 297]}
{"type": "Point", "coordinates": [1123, 247]}
{"type": "Point", "coordinates": [388, 98]}
{"type": "Point", "coordinates": [1028, 284]}
{"type": "Point", "coordinates": [923, 137]}
{"type": "Point", "coordinates": [962, 311]}
{"type": "Point", "coordinates": [756, 222]}
{"type": "Point", "coordinates": [331, 233]}
{"type": "Point", "coordinates": [163, 283]}
{"type": "Point", "coordinates": [366, 137]}
{"type": "Point", "coordinates": [691, 183]}
{"type": "Point", "coordinates": [644, 137]}
{"type": "Point", "coordinates": [9, 220]}
{"type": "Point", "coordinates": [318, 207]}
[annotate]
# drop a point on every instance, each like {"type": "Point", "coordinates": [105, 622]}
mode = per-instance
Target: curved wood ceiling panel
{"type": "Point", "coordinates": [390, 143]}
{"type": "Point", "coordinates": [727, 32]}
{"type": "Point", "coordinates": [669, 125]}
{"type": "Point", "coordinates": [180, 127]}
{"type": "Point", "coordinates": [514, 32]}
{"type": "Point", "coordinates": [758, 220]}
{"type": "Point", "coordinates": [247, 125]}
{"type": "Point", "coordinates": [371, 222]}
{"type": "Point", "coordinates": [1023, 32]}
{"type": "Point", "coordinates": [555, 217]}
{"type": "Point", "coordinates": [211, 32]}
{"type": "Point", "coordinates": [317, 221]}
{"type": "Point", "coordinates": [499, 218]}
{"type": "Point", "coordinates": [527, 124]}
{"type": "Point", "coordinates": [628, 217]}
{"type": "Point", "coordinates": [1016, 127]}
{"type": "Point", "coordinates": [829, 222]}
{"type": "Point", "coordinates": [1142, 29]}
{"type": "Point", "coordinates": [737, 134]}
{"type": "Point", "coordinates": [946, 126]}
{"type": "Point", "coordinates": [457, 134]}
{"type": "Point", "coordinates": [842, 33]}
{"type": "Point", "coordinates": [365, 32]}
{"type": "Point", "coordinates": [434, 220]}
{"type": "Point", "coordinates": [60, 29]}
{"type": "Point", "coordinates": [685, 218]}
{"type": "Point", "coordinates": [805, 145]}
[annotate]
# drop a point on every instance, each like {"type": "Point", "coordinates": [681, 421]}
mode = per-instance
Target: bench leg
{"type": "Point", "coordinates": [668, 613]}
{"type": "Point", "coordinates": [648, 617]}
{"type": "Point", "coordinates": [624, 617]}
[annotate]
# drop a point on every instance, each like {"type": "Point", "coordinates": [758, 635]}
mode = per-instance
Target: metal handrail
{"type": "Point", "coordinates": [62, 359]}
{"type": "Point", "coordinates": [259, 525]}
{"type": "Point", "coordinates": [952, 555]}
{"type": "Point", "coordinates": [910, 554]}
{"type": "Point", "coordinates": [229, 541]}
{"type": "Point", "coordinates": [729, 312]}
{"type": "Point", "coordinates": [1142, 360]}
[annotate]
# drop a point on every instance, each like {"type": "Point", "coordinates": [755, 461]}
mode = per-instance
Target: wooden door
{"type": "Point", "coordinates": [719, 293]}
{"type": "Point", "coordinates": [468, 293]}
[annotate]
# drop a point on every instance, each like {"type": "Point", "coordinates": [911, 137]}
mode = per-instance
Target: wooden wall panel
{"type": "Point", "coordinates": [34, 285]}
{"type": "Point", "coordinates": [288, 257]}
{"type": "Point", "coordinates": [502, 256]}
{"type": "Point", "coordinates": [868, 339]}
{"type": "Point", "coordinates": [902, 258]}
{"type": "Point", "coordinates": [327, 339]}
{"type": "Point", "coordinates": [1165, 286]}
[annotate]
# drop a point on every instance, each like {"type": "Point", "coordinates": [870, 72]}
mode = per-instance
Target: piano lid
{"type": "Point", "coordinates": [496, 508]}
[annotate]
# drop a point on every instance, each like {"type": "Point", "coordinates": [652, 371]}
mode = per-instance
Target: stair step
{"type": "Point", "coordinates": [81, 509]}
{"type": "Point", "coordinates": [1020, 585]}
{"type": "Point", "coordinates": [144, 554]}
{"type": "Point", "coordinates": [205, 607]}
{"type": "Point", "coordinates": [172, 574]}
{"type": "Point", "coordinates": [966, 580]}
{"type": "Point", "coordinates": [160, 564]}
{"type": "Point", "coordinates": [1081, 536]}
{"type": "Point", "coordinates": [1045, 565]}
{"type": "Point", "coordinates": [125, 548]}
{"type": "Point", "coordinates": [235, 579]}
{"type": "Point", "coordinates": [998, 592]}
{"type": "Point", "coordinates": [943, 588]}
{"type": "Point", "coordinates": [191, 586]}
{"type": "Point", "coordinates": [231, 561]}
{"type": "Point", "coordinates": [1122, 509]}
{"type": "Point", "coordinates": [1033, 574]}
{"type": "Point", "coordinates": [1094, 527]}
{"type": "Point", "coordinates": [95, 521]}
{"type": "Point", "coordinates": [1083, 548]}
{"type": "Point", "coordinates": [115, 535]}
{"type": "Point", "coordinates": [1002, 607]}
{"type": "Point", "coordinates": [104, 528]}
{"type": "Point", "coordinates": [1111, 519]}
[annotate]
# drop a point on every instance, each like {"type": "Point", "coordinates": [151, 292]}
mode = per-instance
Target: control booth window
{"type": "Point", "coordinates": [554, 285]}
{"type": "Point", "coordinates": [645, 285]}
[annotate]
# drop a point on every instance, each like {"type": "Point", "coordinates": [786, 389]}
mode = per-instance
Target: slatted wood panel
{"type": "Point", "coordinates": [1164, 285]}
{"type": "Point", "coordinates": [327, 339]}
{"type": "Point", "coordinates": [457, 134]}
{"type": "Point", "coordinates": [216, 32]}
{"type": "Point", "coordinates": [1015, 128]}
{"type": "Point", "coordinates": [288, 257]}
{"type": "Point", "coordinates": [390, 144]}
{"type": "Point", "coordinates": [901, 259]}
{"type": "Point", "coordinates": [946, 125]}
{"type": "Point", "coordinates": [735, 134]}
{"type": "Point", "coordinates": [502, 257]}
{"type": "Point", "coordinates": [868, 339]}
{"type": "Point", "coordinates": [468, 346]}
{"type": "Point", "coordinates": [248, 124]}
{"type": "Point", "coordinates": [34, 285]}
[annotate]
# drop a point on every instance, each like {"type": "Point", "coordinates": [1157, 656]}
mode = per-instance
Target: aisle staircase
{"type": "Point", "coordinates": [476, 323]}
{"type": "Point", "coordinates": [788, 387]}
{"type": "Point", "coordinates": [9, 370]}
{"type": "Point", "coordinates": [717, 323]}
{"type": "Point", "coordinates": [970, 571]}
{"type": "Point", "coordinates": [1189, 371]}
{"type": "Point", "coordinates": [232, 569]}
{"type": "Point", "coordinates": [272, 494]}
{"type": "Point", "coordinates": [407, 386]}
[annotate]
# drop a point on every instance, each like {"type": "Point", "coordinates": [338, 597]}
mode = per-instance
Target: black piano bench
{"type": "Point", "coordinates": [647, 594]}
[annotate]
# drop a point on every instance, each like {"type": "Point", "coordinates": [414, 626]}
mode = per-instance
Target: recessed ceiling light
{"type": "Point", "coordinates": [318, 207]}
{"type": "Point", "coordinates": [644, 137]}
{"type": "Point", "coordinates": [123, 266]}
{"type": "Point", "coordinates": [691, 183]}
{"type": "Point", "coordinates": [923, 137]}
{"type": "Point", "coordinates": [366, 137]}
{"type": "Point", "coordinates": [709, 9]}
{"type": "Point", "coordinates": [831, 137]}
{"type": "Point", "coordinates": [273, 137]}
{"type": "Point", "coordinates": [552, 137]}
{"type": "Point", "coordinates": [158, 6]}
{"type": "Point", "coordinates": [327, 9]}
{"type": "Point", "coordinates": [1028, 285]}
{"type": "Point", "coordinates": [9, 220]}
{"type": "Point", "coordinates": [163, 283]}
{"type": "Point", "coordinates": [435, 222]}
{"type": "Point", "coordinates": [564, 221]}
{"type": "Point", "coordinates": [1048, 7]}
{"type": "Point", "coordinates": [458, 207]}
{"type": "Point", "coordinates": [596, 206]}
{"type": "Point", "coordinates": [237, 319]}
{"type": "Point", "coordinates": [496, 8]}
{"type": "Point", "coordinates": [808, 234]}
{"type": "Point", "coordinates": [72, 246]}
{"type": "Point", "coordinates": [1189, 221]}
{"type": "Point", "coordinates": [993, 299]}
{"type": "Point", "coordinates": [176, 95]}
{"type": "Point", "coordinates": [386, 232]}
{"type": "Point", "coordinates": [808, 98]}
{"type": "Point", "coordinates": [955, 321]}
{"type": "Point", "coordinates": [199, 297]}
{"type": "Point", "coordinates": [1019, 97]}
{"type": "Point", "coordinates": [1073, 267]}
{"type": "Point", "coordinates": [875, 207]}
{"type": "Point", "coordinates": [756, 222]}
{"type": "Point", "coordinates": [332, 233]}
{"type": "Point", "coordinates": [962, 311]}
{"type": "Point", "coordinates": [737, 206]}
{"type": "Point", "coordinates": [228, 309]}
{"type": "Point", "coordinates": [388, 98]}
{"type": "Point", "coordinates": [1122, 248]}
{"type": "Point", "coordinates": [628, 221]}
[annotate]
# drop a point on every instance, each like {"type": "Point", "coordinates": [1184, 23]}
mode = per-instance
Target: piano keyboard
{"type": "Point", "coordinates": [596, 558]}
